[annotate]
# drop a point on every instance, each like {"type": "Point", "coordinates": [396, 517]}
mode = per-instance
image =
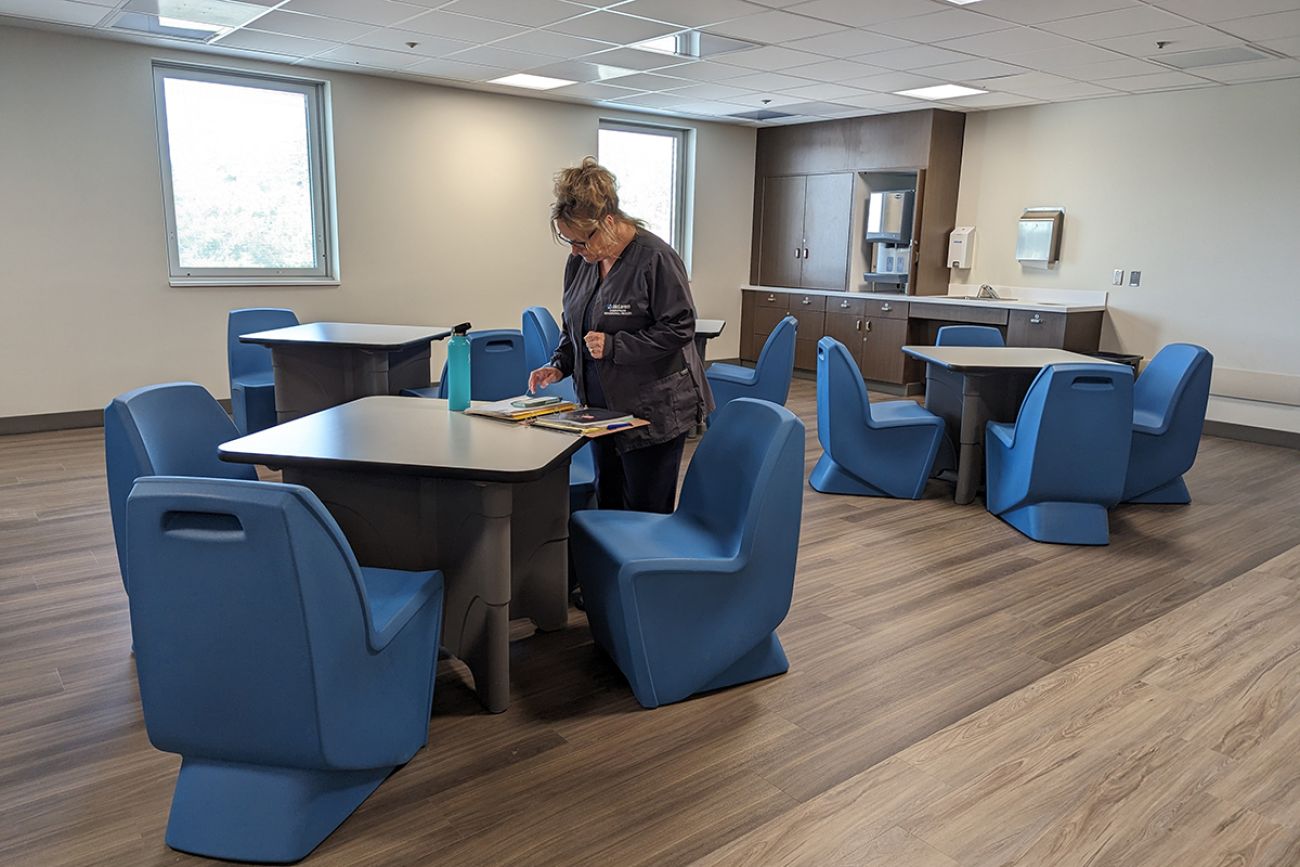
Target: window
{"type": "Point", "coordinates": [245, 172]}
{"type": "Point", "coordinates": [649, 164]}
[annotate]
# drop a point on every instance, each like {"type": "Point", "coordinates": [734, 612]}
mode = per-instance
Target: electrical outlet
{"type": "Point", "coordinates": [1135, 278]}
{"type": "Point", "coordinates": [1117, 278]}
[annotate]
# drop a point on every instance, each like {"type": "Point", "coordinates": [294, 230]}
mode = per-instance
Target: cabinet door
{"type": "Point", "coordinates": [882, 349]}
{"type": "Point", "coordinates": [828, 206]}
{"type": "Point", "coordinates": [1032, 328]}
{"type": "Point", "coordinates": [781, 250]}
{"type": "Point", "coordinates": [847, 329]}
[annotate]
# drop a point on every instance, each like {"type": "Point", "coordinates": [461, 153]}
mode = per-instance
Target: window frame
{"type": "Point", "coordinates": [320, 176]}
{"type": "Point", "coordinates": [681, 170]}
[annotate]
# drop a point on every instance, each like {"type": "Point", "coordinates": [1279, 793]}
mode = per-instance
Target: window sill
{"type": "Point", "coordinates": [254, 281]}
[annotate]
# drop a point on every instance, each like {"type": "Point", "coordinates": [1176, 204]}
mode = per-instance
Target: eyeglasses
{"type": "Point", "coordinates": [581, 245]}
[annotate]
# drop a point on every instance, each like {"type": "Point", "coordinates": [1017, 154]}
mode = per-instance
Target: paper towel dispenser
{"type": "Point", "coordinates": [1038, 237]}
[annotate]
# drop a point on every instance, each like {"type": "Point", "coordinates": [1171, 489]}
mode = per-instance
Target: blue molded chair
{"type": "Point", "coordinates": [688, 602]}
{"type": "Point", "coordinates": [496, 367]}
{"type": "Point", "coordinates": [943, 388]}
{"type": "Point", "coordinates": [163, 430]}
{"type": "Point", "coordinates": [541, 336]}
{"type": "Point", "coordinates": [1169, 400]}
{"type": "Point", "coordinates": [1054, 473]}
{"type": "Point", "coordinates": [252, 382]}
{"type": "Point", "coordinates": [768, 379]}
{"type": "Point", "coordinates": [290, 680]}
{"type": "Point", "coordinates": [871, 449]}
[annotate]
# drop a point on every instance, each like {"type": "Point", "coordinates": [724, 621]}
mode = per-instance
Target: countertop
{"type": "Point", "coordinates": [1058, 301]}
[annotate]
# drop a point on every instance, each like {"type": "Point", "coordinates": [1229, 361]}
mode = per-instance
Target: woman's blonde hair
{"type": "Point", "coordinates": [584, 195]}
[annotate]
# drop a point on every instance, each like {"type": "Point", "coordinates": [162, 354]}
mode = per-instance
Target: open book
{"type": "Point", "coordinates": [519, 408]}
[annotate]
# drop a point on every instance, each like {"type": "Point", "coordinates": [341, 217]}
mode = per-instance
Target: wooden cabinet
{"type": "Point", "coordinates": [768, 308]}
{"type": "Point", "coordinates": [874, 337]}
{"type": "Point", "coordinates": [804, 235]}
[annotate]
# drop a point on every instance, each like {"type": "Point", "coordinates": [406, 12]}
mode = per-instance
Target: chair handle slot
{"type": "Point", "coordinates": [213, 525]}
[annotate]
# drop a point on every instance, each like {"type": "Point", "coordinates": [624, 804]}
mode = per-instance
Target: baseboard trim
{"type": "Point", "coordinates": [1264, 436]}
{"type": "Point", "coordinates": [54, 421]}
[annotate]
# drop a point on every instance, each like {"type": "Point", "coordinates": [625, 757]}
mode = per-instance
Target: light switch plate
{"type": "Point", "coordinates": [1135, 278]}
{"type": "Point", "coordinates": [1117, 279]}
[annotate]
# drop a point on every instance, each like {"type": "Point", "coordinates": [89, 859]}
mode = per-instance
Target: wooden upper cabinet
{"type": "Point", "coordinates": [804, 241]}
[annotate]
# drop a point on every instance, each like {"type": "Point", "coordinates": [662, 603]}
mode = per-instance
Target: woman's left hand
{"type": "Point", "coordinates": [595, 341]}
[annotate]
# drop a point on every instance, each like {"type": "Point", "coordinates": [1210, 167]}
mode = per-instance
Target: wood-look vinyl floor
{"type": "Point", "coordinates": [958, 695]}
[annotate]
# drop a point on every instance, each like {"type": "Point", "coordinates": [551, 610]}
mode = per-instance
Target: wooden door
{"type": "Point", "coordinates": [781, 242]}
{"type": "Point", "coordinates": [828, 207]}
{"type": "Point", "coordinates": [882, 349]}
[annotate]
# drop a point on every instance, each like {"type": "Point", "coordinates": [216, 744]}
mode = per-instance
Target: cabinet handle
{"type": "Point", "coordinates": [844, 305]}
{"type": "Point", "coordinates": [771, 297]}
{"type": "Point", "coordinates": [805, 252]}
{"type": "Point", "coordinates": [857, 325]}
{"type": "Point", "coordinates": [1035, 320]}
{"type": "Point", "coordinates": [806, 300]}
{"type": "Point", "coordinates": [868, 326]}
{"type": "Point", "coordinates": [885, 308]}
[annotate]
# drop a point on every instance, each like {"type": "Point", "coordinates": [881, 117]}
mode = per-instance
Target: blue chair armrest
{"type": "Point", "coordinates": [395, 596]}
{"type": "Point", "coordinates": [731, 373]}
{"type": "Point", "coordinates": [1004, 431]}
{"type": "Point", "coordinates": [1148, 422]}
{"type": "Point", "coordinates": [902, 413]}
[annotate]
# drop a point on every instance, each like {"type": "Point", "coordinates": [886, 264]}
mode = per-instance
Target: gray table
{"type": "Point", "coordinates": [993, 382]}
{"type": "Point", "coordinates": [706, 330]}
{"type": "Point", "coordinates": [414, 486]}
{"type": "Point", "coordinates": [324, 364]}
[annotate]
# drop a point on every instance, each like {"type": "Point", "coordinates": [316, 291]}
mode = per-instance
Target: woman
{"type": "Point", "coordinates": [627, 340]}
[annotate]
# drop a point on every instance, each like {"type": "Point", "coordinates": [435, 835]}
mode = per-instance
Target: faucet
{"type": "Point", "coordinates": [986, 291]}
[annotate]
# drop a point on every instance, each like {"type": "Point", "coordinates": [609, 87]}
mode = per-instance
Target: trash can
{"type": "Point", "coordinates": [1133, 361]}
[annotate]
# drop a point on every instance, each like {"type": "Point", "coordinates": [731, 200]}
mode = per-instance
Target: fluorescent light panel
{"type": "Point", "coordinates": [940, 91]}
{"type": "Point", "coordinates": [532, 82]}
{"type": "Point", "coordinates": [962, 2]}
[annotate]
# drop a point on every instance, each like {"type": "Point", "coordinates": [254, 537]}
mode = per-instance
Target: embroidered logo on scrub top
{"type": "Point", "coordinates": [618, 309]}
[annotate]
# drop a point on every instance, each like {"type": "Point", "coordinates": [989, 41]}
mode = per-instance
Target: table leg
{"type": "Point", "coordinates": [311, 378]}
{"type": "Point", "coordinates": [984, 398]}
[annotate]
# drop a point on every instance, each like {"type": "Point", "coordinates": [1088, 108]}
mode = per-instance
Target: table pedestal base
{"type": "Point", "coordinates": [967, 408]}
{"type": "Point", "coordinates": [311, 378]}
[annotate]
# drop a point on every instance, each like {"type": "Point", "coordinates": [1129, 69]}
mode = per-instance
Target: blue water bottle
{"type": "Point", "coordinates": [458, 369]}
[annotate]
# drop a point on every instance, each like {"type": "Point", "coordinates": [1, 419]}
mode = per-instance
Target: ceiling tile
{"type": "Point", "coordinates": [1289, 46]}
{"type": "Point", "coordinates": [1110, 69]}
{"type": "Point", "coordinates": [464, 27]}
{"type": "Point", "coordinates": [1261, 70]}
{"type": "Point", "coordinates": [894, 81]}
{"type": "Point", "coordinates": [1279, 25]}
{"type": "Point", "coordinates": [612, 27]}
{"type": "Point", "coordinates": [1109, 25]}
{"type": "Point", "coordinates": [880, 100]}
{"type": "Point", "coordinates": [310, 26]}
{"type": "Point", "coordinates": [651, 81]}
{"type": "Point", "coordinates": [552, 44]}
{"type": "Point", "coordinates": [766, 81]}
{"type": "Point", "coordinates": [912, 57]}
{"type": "Point", "coordinates": [274, 43]}
{"type": "Point", "coordinates": [631, 58]}
{"type": "Point", "coordinates": [847, 43]}
{"type": "Point", "coordinates": [823, 91]}
{"type": "Point", "coordinates": [1179, 39]}
{"type": "Point", "coordinates": [581, 70]}
{"type": "Point", "coordinates": [863, 13]}
{"type": "Point", "coordinates": [770, 57]}
{"type": "Point", "coordinates": [1210, 11]}
{"type": "Point", "coordinates": [719, 92]}
{"type": "Point", "coordinates": [766, 99]}
{"type": "Point", "coordinates": [836, 70]}
{"type": "Point", "coordinates": [938, 26]}
{"type": "Point", "coordinates": [1039, 84]}
{"type": "Point", "coordinates": [380, 12]}
{"type": "Point", "coordinates": [992, 100]}
{"type": "Point", "coordinates": [708, 108]}
{"type": "Point", "coordinates": [376, 57]}
{"type": "Point", "coordinates": [443, 68]}
{"type": "Point", "coordinates": [1157, 81]}
{"type": "Point", "coordinates": [534, 13]}
{"type": "Point", "coordinates": [1038, 11]}
{"type": "Point", "coordinates": [1015, 40]}
{"type": "Point", "coordinates": [823, 109]}
{"type": "Point", "coordinates": [774, 26]}
{"type": "Point", "coordinates": [702, 70]}
{"type": "Point", "coordinates": [398, 40]}
{"type": "Point", "coordinates": [649, 100]}
{"type": "Point", "coordinates": [970, 69]}
{"type": "Point", "coordinates": [1071, 54]}
{"type": "Point", "coordinates": [690, 13]}
{"type": "Point", "coordinates": [590, 90]}
{"type": "Point", "coordinates": [59, 11]}
{"type": "Point", "coordinates": [491, 55]}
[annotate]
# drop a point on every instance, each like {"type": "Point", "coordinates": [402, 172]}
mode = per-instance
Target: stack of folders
{"type": "Point", "coordinates": [589, 421]}
{"type": "Point", "coordinates": [521, 408]}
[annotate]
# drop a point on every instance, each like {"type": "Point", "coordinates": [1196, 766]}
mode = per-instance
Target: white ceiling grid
{"type": "Point", "coordinates": [814, 58]}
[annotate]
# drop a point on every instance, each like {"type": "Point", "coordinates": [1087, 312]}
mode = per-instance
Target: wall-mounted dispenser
{"type": "Point", "coordinates": [960, 244]}
{"type": "Point", "coordinates": [889, 216]}
{"type": "Point", "coordinates": [1038, 238]}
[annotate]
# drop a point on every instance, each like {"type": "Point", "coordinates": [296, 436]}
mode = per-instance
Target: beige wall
{"type": "Point", "coordinates": [1199, 190]}
{"type": "Point", "coordinates": [443, 200]}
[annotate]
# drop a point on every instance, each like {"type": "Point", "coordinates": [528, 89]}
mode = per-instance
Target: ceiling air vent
{"type": "Point", "coordinates": [1213, 57]}
{"type": "Point", "coordinates": [761, 114]}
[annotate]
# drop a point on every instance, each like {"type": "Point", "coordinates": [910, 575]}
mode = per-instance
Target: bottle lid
{"type": "Point", "coordinates": [460, 330]}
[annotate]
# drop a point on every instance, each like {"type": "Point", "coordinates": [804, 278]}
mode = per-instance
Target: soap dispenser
{"type": "Point", "coordinates": [458, 369]}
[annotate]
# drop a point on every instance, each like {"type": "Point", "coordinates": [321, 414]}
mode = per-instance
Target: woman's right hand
{"type": "Point", "coordinates": [542, 377]}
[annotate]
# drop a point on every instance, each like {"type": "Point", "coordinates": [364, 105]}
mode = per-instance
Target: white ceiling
{"type": "Point", "coordinates": [814, 59]}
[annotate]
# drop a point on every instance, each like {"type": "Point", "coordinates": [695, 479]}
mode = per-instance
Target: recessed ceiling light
{"type": "Point", "coordinates": [963, 2]}
{"type": "Point", "coordinates": [533, 82]}
{"type": "Point", "coordinates": [693, 43]}
{"type": "Point", "coordinates": [940, 91]}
